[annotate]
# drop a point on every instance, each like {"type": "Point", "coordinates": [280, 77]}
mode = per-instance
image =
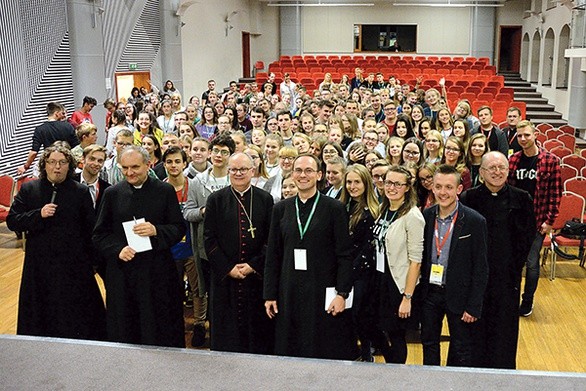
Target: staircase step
{"type": "Point", "coordinates": [527, 94]}
{"type": "Point", "coordinates": [525, 89]}
{"type": "Point", "coordinates": [540, 107]}
{"type": "Point", "coordinates": [537, 100]}
{"type": "Point", "coordinates": [543, 115]}
{"type": "Point", "coordinates": [516, 83]}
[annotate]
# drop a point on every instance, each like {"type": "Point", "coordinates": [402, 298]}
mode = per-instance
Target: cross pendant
{"type": "Point", "coordinates": [251, 230]}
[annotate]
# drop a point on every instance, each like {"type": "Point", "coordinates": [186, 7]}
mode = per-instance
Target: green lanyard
{"type": "Point", "coordinates": [303, 230]}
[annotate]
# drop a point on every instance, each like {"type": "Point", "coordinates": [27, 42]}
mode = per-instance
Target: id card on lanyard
{"type": "Point", "coordinates": [300, 254]}
{"type": "Point", "coordinates": [436, 275]}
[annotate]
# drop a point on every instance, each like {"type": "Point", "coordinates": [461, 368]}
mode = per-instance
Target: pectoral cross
{"type": "Point", "coordinates": [251, 230]}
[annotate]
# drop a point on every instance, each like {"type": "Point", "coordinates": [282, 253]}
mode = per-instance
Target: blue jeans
{"type": "Point", "coordinates": [532, 272]}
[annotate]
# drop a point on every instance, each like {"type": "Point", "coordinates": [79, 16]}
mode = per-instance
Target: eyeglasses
{"type": "Point", "coordinates": [307, 171]}
{"type": "Point", "coordinates": [398, 185]}
{"type": "Point", "coordinates": [411, 153]}
{"type": "Point", "coordinates": [57, 162]}
{"type": "Point", "coordinates": [235, 171]}
{"type": "Point", "coordinates": [432, 141]}
{"type": "Point", "coordinates": [120, 144]}
{"type": "Point", "coordinates": [378, 177]}
{"type": "Point", "coordinates": [390, 108]}
{"type": "Point", "coordinates": [287, 158]}
{"type": "Point", "coordinates": [222, 152]}
{"type": "Point", "coordinates": [370, 138]}
{"type": "Point", "coordinates": [428, 178]}
{"type": "Point", "coordinates": [451, 149]}
{"type": "Point", "coordinates": [494, 169]}
{"type": "Point", "coordinates": [223, 123]}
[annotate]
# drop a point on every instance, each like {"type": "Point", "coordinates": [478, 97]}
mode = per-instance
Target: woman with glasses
{"type": "Point", "coordinates": [425, 184]}
{"type": "Point", "coordinates": [272, 125]}
{"type": "Point", "coordinates": [434, 147]}
{"type": "Point", "coordinates": [330, 150]}
{"type": "Point", "coordinates": [209, 122]}
{"type": "Point", "coordinates": [477, 148]}
{"type": "Point", "coordinates": [454, 155]}
{"type": "Point", "coordinates": [412, 152]}
{"type": "Point", "coordinates": [399, 250]}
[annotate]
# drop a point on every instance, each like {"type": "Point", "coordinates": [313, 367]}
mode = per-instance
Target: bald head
{"type": "Point", "coordinates": [494, 170]}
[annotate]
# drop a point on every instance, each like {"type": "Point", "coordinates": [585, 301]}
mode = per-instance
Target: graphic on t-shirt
{"type": "Point", "coordinates": [523, 174]}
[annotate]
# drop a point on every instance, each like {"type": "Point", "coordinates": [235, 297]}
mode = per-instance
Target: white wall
{"type": "Point", "coordinates": [443, 31]}
{"type": "Point", "coordinates": [209, 54]}
{"type": "Point", "coordinates": [554, 18]}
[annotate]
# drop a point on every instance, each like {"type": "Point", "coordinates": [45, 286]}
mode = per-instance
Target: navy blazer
{"type": "Point", "coordinates": [467, 271]}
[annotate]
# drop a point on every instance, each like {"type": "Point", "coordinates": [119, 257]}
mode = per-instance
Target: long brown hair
{"type": "Point", "coordinates": [367, 200]}
{"type": "Point", "coordinates": [410, 196]}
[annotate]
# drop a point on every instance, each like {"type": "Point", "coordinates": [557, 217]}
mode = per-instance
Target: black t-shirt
{"type": "Point", "coordinates": [526, 174]}
{"type": "Point", "coordinates": [49, 132]}
{"type": "Point", "coordinates": [511, 134]}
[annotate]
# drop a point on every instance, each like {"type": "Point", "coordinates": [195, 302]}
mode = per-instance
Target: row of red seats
{"type": "Point", "coordinates": [486, 60]}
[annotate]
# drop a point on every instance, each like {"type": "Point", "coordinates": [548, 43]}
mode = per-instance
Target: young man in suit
{"type": "Point", "coordinates": [454, 271]}
{"type": "Point", "coordinates": [94, 157]}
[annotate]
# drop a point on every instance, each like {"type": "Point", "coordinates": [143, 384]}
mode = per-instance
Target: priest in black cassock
{"type": "Point", "coordinates": [309, 251]}
{"type": "Point", "coordinates": [143, 294]}
{"type": "Point", "coordinates": [59, 295]}
{"type": "Point", "coordinates": [236, 228]}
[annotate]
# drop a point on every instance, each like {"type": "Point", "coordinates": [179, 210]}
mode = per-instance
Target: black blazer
{"type": "Point", "coordinates": [103, 185]}
{"type": "Point", "coordinates": [467, 271]}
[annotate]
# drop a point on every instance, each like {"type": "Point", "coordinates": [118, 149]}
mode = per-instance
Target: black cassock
{"type": "Point", "coordinates": [239, 322]}
{"type": "Point", "coordinates": [59, 295]}
{"type": "Point", "coordinates": [303, 327]}
{"type": "Point", "coordinates": [143, 296]}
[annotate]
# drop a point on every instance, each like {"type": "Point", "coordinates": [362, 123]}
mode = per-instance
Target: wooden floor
{"type": "Point", "coordinates": [553, 338]}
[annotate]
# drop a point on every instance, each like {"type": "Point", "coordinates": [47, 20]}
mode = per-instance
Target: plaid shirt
{"type": "Point", "coordinates": [548, 189]}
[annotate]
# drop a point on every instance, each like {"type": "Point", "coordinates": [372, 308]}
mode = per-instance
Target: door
{"type": "Point", "coordinates": [510, 49]}
{"type": "Point", "coordinates": [126, 81]}
{"type": "Point", "coordinates": [245, 54]}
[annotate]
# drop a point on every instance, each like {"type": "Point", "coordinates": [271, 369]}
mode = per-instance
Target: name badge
{"type": "Point", "coordinates": [300, 255]}
{"type": "Point", "coordinates": [380, 259]}
{"type": "Point", "coordinates": [436, 275]}
{"type": "Point", "coordinates": [511, 152]}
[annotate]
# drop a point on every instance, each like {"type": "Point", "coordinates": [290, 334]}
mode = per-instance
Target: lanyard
{"type": "Point", "coordinates": [303, 230]}
{"type": "Point", "coordinates": [439, 246]}
{"type": "Point", "coordinates": [383, 227]}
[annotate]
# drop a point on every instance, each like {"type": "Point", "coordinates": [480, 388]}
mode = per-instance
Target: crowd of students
{"type": "Point", "coordinates": [387, 151]}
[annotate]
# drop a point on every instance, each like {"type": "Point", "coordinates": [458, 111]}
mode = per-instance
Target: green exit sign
{"type": "Point", "coordinates": [133, 66]}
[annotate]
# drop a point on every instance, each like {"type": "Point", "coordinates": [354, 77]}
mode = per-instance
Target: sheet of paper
{"type": "Point", "coordinates": [137, 243]}
{"type": "Point", "coordinates": [331, 294]}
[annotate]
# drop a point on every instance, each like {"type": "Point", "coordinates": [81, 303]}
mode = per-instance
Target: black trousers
{"type": "Point", "coordinates": [433, 310]}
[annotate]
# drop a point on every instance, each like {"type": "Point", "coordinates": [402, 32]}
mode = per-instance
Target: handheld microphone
{"type": "Point", "coordinates": [53, 195]}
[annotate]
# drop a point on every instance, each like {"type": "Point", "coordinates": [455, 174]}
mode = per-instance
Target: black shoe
{"type": "Point", "coordinates": [526, 308]}
{"type": "Point", "coordinates": [199, 336]}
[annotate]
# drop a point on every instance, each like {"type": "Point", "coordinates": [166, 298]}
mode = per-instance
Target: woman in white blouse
{"type": "Point", "coordinates": [399, 248]}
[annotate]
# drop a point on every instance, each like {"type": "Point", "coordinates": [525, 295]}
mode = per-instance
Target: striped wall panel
{"type": "Point", "coordinates": [132, 33]}
{"type": "Point", "coordinates": [35, 68]}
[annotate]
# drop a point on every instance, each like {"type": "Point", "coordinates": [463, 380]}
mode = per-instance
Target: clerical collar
{"type": "Point", "coordinates": [495, 194]}
{"type": "Point", "coordinates": [310, 199]}
{"type": "Point", "coordinates": [242, 192]}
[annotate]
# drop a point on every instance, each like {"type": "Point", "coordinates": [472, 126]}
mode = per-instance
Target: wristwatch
{"type": "Point", "coordinates": [407, 296]}
{"type": "Point", "coordinates": [343, 294]}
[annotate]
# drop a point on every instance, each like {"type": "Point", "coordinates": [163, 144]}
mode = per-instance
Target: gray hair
{"type": "Point", "coordinates": [237, 155]}
{"type": "Point", "coordinates": [136, 148]}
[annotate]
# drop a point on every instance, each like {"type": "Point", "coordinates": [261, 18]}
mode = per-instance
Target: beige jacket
{"type": "Point", "coordinates": [404, 244]}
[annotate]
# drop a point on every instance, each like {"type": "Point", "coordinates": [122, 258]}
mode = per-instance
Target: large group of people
{"type": "Point", "coordinates": [323, 225]}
